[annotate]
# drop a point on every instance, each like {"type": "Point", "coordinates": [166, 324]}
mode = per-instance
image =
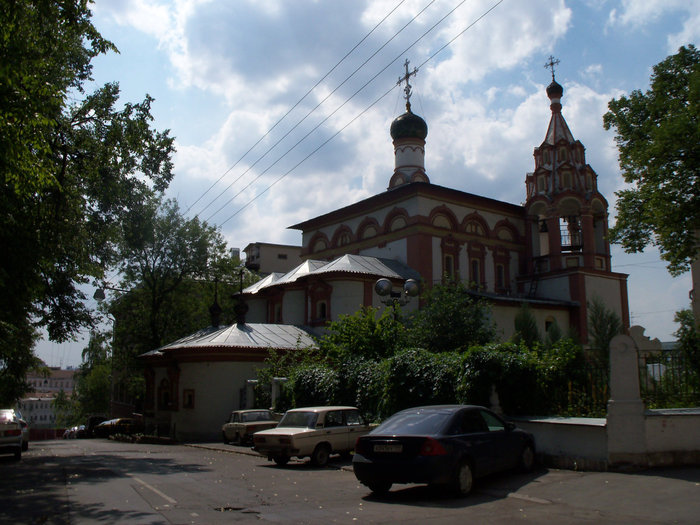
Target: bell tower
{"type": "Point", "coordinates": [567, 216]}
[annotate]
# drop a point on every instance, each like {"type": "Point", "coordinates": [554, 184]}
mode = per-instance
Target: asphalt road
{"type": "Point", "coordinates": [101, 481]}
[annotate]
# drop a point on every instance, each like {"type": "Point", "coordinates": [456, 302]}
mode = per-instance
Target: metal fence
{"type": "Point", "coordinates": [589, 397]}
{"type": "Point", "coordinates": [667, 380]}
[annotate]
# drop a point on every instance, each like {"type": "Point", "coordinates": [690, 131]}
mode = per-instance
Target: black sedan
{"type": "Point", "coordinates": [448, 445]}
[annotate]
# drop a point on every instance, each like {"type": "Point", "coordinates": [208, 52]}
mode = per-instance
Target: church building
{"type": "Point", "coordinates": [551, 253]}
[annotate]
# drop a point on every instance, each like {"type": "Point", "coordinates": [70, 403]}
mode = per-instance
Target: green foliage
{"type": "Point", "coordinates": [688, 336]}
{"type": "Point", "coordinates": [363, 334]}
{"type": "Point", "coordinates": [63, 407]}
{"type": "Point", "coordinates": [451, 319]}
{"type": "Point", "coordinates": [526, 331]}
{"type": "Point", "coordinates": [70, 172]}
{"type": "Point", "coordinates": [603, 325]}
{"type": "Point", "coordinates": [418, 377]}
{"type": "Point", "coordinates": [93, 383]}
{"type": "Point", "coordinates": [658, 136]}
{"type": "Point", "coordinates": [314, 385]}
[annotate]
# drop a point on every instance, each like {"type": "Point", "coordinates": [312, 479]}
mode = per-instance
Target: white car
{"type": "Point", "coordinates": [315, 432]}
{"type": "Point", "coordinates": [10, 433]}
{"type": "Point", "coordinates": [242, 424]}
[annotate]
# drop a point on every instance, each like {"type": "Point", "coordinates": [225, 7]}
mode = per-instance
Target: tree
{"type": "Point", "coordinates": [70, 172]}
{"type": "Point", "coordinates": [658, 137]}
{"type": "Point", "coordinates": [688, 337]}
{"type": "Point", "coordinates": [603, 325]}
{"type": "Point", "coordinates": [364, 334]}
{"type": "Point", "coordinates": [451, 319]}
{"type": "Point", "coordinates": [526, 327]}
{"type": "Point", "coordinates": [172, 267]}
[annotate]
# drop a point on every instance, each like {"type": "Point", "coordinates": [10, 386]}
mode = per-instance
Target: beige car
{"type": "Point", "coordinates": [315, 432]}
{"type": "Point", "coordinates": [242, 424]}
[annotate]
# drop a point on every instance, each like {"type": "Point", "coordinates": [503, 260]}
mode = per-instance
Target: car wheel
{"type": "Point", "coordinates": [464, 479]}
{"type": "Point", "coordinates": [281, 460]}
{"type": "Point", "coordinates": [25, 446]}
{"type": "Point", "coordinates": [223, 437]}
{"type": "Point", "coordinates": [379, 487]}
{"type": "Point", "coordinates": [527, 458]}
{"type": "Point", "coordinates": [18, 453]}
{"type": "Point", "coordinates": [319, 458]}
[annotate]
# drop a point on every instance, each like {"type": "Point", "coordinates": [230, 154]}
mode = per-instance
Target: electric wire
{"type": "Point", "coordinates": [310, 112]}
{"type": "Point", "coordinates": [366, 109]}
{"type": "Point", "coordinates": [290, 110]}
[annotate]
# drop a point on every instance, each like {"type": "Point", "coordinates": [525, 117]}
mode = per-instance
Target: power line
{"type": "Point", "coordinates": [302, 120]}
{"type": "Point", "coordinates": [291, 109]}
{"type": "Point", "coordinates": [363, 111]}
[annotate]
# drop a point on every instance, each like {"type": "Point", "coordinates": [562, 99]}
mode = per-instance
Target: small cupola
{"type": "Point", "coordinates": [408, 133]}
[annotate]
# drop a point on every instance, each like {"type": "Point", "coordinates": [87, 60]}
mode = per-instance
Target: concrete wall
{"type": "Point", "coordinates": [569, 442]}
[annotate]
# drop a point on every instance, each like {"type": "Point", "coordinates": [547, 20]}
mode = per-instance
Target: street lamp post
{"type": "Point", "coordinates": [390, 297]}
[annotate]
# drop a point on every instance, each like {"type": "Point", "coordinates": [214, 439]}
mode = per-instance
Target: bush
{"type": "Point", "coordinates": [417, 377]}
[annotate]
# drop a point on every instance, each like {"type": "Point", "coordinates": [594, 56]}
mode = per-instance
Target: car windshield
{"type": "Point", "coordinates": [249, 417]}
{"type": "Point", "coordinates": [299, 419]}
{"type": "Point", "coordinates": [415, 422]}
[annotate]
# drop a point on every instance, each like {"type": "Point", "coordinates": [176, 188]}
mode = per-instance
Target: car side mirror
{"type": "Point", "coordinates": [510, 426]}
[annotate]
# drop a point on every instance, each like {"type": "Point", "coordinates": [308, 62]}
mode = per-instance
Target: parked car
{"type": "Point", "coordinates": [122, 425]}
{"type": "Point", "coordinates": [315, 432]}
{"type": "Point", "coordinates": [10, 433]}
{"type": "Point", "coordinates": [242, 424]}
{"type": "Point", "coordinates": [443, 445]}
{"type": "Point", "coordinates": [92, 422]}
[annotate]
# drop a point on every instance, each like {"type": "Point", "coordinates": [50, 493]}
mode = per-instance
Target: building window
{"type": "Point", "coordinates": [282, 256]}
{"type": "Point", "coordinates": [188, 398]}
{"type": "Point", "coordinates": [500, 277]}
{"type": "Point", "coordinates": [321, 310]}
{"type": "Point", "coordinates": [475, 277]}
{"type": "Point", "coordinates": [449, 267]}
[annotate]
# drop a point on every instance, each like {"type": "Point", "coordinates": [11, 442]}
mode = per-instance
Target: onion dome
{"type": "Point", "coordinates": [554, 90]}
{"type": "Point", "coordinates": [408, 125]}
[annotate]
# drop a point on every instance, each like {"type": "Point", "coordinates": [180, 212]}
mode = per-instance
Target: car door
{"type": "Point", "coordinates": [502, 447]}
{"type": "Point", "coordinates": [335, 430]}
{"type": "Point", "coordinates": [355, 427]}
{"type": "Point", "coordinates": [472, 435]}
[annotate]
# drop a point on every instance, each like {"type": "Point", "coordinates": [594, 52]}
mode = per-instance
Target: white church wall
{"type": "Point", "coordinates": [216, 387]}
{"type": "Point", "coordinates": [395, 250]}
{"type": "Point", "coordinates": [554, 288]}
{"type": "Point", "coordinates": [504, 317]}
{"type": "Point", "coordinates": [347, 297]}
{"type": "Point", "coordinates": [257, 310]}
{"type": "Point", "coordinates": [293, 307]}
{"type": "Point", "coordinates": [607, 289]}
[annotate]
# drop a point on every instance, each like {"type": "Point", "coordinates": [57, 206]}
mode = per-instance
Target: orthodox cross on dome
{"type": "Point", "coordinates": [407, 89]}
{"type": "Point", "coordinates": [550, 65]}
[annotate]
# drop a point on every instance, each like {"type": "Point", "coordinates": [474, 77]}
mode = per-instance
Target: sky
{"type": "Point", "coordinates": [281, 110]}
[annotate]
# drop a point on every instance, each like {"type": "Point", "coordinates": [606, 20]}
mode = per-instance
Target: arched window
{"type": "Point", "coordinates": [448, 267]}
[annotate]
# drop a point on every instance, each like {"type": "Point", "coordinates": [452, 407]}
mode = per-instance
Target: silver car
{"type": "Point", "coordinates": [10, 433]}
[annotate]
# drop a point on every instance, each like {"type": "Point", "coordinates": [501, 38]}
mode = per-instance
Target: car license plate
{"type": "Point", "coordinates": [392, 449]}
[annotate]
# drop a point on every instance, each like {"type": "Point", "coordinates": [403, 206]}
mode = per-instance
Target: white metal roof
{"type": "Point", "coordinates": [253, 335]}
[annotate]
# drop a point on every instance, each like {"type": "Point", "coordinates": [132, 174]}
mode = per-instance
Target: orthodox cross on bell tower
{"type": "Point", "coordinates": [407, 89]}
{"type": "Point", "coordinates": [551, 62]}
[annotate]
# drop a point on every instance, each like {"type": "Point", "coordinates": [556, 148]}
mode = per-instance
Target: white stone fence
{"type": "Point", "coordinates": [631, 435]}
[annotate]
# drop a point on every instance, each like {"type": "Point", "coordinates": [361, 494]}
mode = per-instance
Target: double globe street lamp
{"type": "Point", "coordinates": [391, 297]}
